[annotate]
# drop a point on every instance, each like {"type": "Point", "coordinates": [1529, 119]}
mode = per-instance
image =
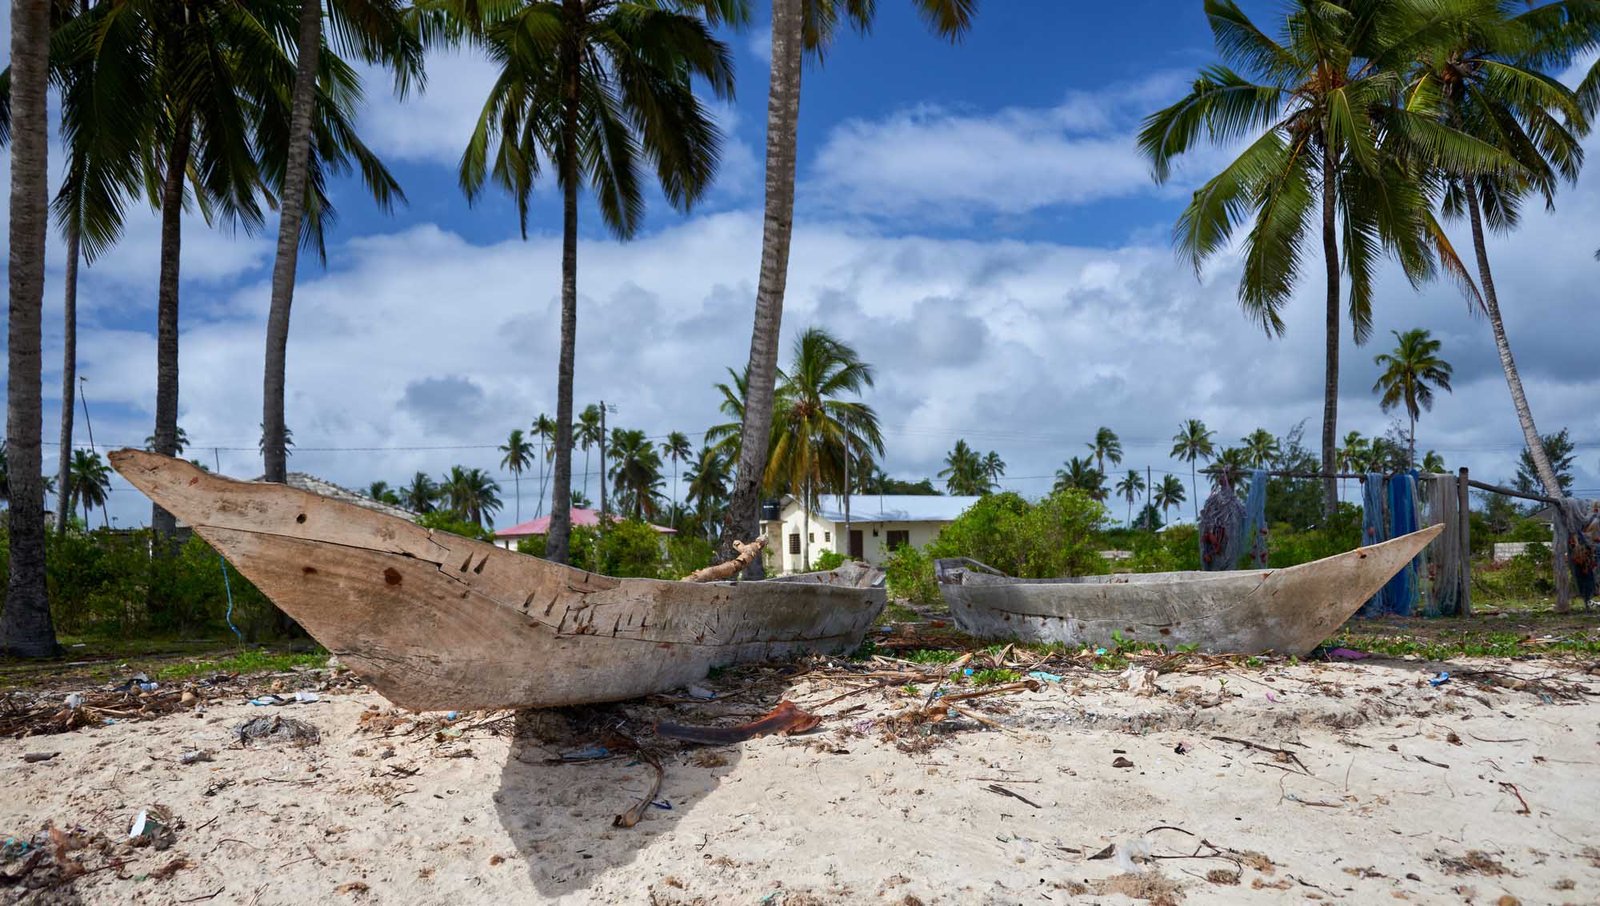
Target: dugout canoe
{"type": "Point", "coordinates": [1252, 611]}
{"type": "Point", "coordinates": [436, 621]}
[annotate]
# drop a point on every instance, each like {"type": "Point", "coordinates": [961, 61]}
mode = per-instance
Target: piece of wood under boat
{"type": "Point", "coordinates": [435, 620]}
{"type": "Point", "coordinates": [1251, 611]}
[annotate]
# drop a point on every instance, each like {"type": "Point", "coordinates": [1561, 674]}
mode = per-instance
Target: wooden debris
{"type": "Point", "coordinates": [718, 572]}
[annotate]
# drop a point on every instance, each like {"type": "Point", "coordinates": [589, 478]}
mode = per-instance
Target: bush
{"type": "Point", "coordinates": [1053, 538]}
{"type": "Point", "coordinates": [687, 553]}
{"type": "Point", "coordinates": [828, 560]}
{"type": "Point", "coordinates": [439, 520]}
{"type": "Point", "coordinates": [909, 575]}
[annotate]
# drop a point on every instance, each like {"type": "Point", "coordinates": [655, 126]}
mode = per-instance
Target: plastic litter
{"type": "Point", "coordinates": [75, 700]}
{"type": "Point", "coordinates": [269, 700]}
{"type": "Point", "coordinates": [278, 730]}
{"type": "Point", "coordinates": [662, 804]}
{"type": "Point", "coordinates": [1347, 654]}
{"type": "Point", "coordinates": [966, 671]}
{"type": "Point", "coordinates": [194, 756]}
{"type": "Point", "coordinates": [152, 827]}
{"type": "Point", "coordinates": [1439, 680]}
{"type": "Point", "coordinates": [149, 687]}
{"type": "Point", "coordinates": [451, 715]}
{"type": "Point", "coordinates": [1044, 677]}
{"type": "Point", "coordinates": [305, 697]}
{"type": "Point", "coordinates": [701, 693]}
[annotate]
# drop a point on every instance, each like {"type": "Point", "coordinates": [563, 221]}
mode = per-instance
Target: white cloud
{"type": "Point", "coordinates": [429, 126]}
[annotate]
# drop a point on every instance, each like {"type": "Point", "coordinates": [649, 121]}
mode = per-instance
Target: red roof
{"type": "Point", "coordinates": [580, 516]}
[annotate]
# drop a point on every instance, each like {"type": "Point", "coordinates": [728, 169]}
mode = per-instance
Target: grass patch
{"type": "Point", "coordinates": [257, 661]}
{"type": "Point", "coordinates": [895, 612]}
{"type": "Point", "coordinates": [932, 656]}
{"type": "Point", "coordinates": [994, 677]}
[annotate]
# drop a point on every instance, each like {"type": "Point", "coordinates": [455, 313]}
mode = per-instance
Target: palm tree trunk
{"type": "Point", "coordinates": [1411, 455]}
{"type": "Point", "coordinates": [1194, 489]}
{"type": "Point", "coordinates": [1330, 391]}
{"type": "Point", "coordinates": [25, 627]}
{"type": "Point", "coordinates": [273, 451]}
{"type": "Point", "coordinates": [166, 433]}
{"type": "Point", "coordinates": [805, 530]}
{"type": "Point", "coordinates": [516, 479]}
{"type": "Point", "coordinates": [741, 522]}
{"type": "Point", "coordinates": [557, 542]}
{"type": "Point", "coordinates": [69, 385]}
{"type": "Point", "coordinates": [1519, 399]}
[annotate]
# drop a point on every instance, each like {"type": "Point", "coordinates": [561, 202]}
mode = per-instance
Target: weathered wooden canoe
{"type": "Point", "coordinates": [1256, 611]}
{"type": "Point", "coordinates": [434, 620]}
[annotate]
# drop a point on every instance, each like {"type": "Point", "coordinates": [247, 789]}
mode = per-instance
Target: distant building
{"type": "Point", "coordinates": [878, 525]}
{"type": "Point", "coordinates": [508, 537]}
{"type": "Point", "coordinates": [325, 488]}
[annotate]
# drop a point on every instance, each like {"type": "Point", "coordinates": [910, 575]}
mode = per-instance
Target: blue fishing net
{"type": "Point", "coordinates": [1400, 595]}
{"type": "Point", "coordinates": [1255, 519]}
{"type": "Point", "coordinates": [1221, 528]}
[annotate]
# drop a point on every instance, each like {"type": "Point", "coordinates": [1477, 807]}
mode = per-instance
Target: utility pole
{"type": "Point", "coordinates": [104, 516]}
{"type": "Point", "coordinates": [602, 462]}
{"type": "Point", "coordinates": [849, 553]}
{"type": "Point", "coordinates": [1149, 492]}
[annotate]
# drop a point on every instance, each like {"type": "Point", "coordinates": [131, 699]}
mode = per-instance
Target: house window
{"type": "Point", "coordinates": [794, 542]}
{"type": "Point", "coordinates": [827, 536]}
{"type": "Point", "coordinates": [811, 537]}
{"type": "Point", "coordinates": [898, 539]}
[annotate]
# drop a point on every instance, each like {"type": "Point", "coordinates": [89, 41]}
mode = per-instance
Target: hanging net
{"type": "Point", "coordinates": [1221, 528]}
{"type": "Point", "coordinates": [1255, 520]}
{"type": "Point", "coordinates": [1579, 522]}
{"type": "Point", "coordinates": [1389, 510]}
{"type": "Point", "coordinates": [1439, 578]}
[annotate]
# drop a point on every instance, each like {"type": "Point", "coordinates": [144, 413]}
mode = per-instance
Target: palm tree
{"type": "Point", "coordinates": [1318, 109]}
{"type": "Point", "coordinates": [1079, 474]}
{"type": "Point", "coordinates": [89, 481]}
{"type": "Point", "coordinates": [725, 436]}
{"type": "Point", "coordinates": [381, 492]}
{"type": "Point", "coordinates": [1479, 78]}
{"type": "Point", "coordinates": [375, 31]}
{"type": "Point", "coordinates": [601, 89]}
{"type": "Point", "coordinates": [1433, 462]}
{"type": "Point", "coordinates": [1260, 448]}
{"type": "Point", "coordinates": [1410, 374]}
{"type": "Point", "coordinates": [544, 428]}
{"type": "Point", "coordinates": [815, 428]}
{"type": "Point", "coordinates": [180, 441]}
{"type": "Point", "coordinates": [1193, 441]}
{"type": "Point", "coordinates": [1168, 494]}
{"type": "Point", "coordinates": [1106, 445]}
{"type": "Point", "coordinates": [676, 448]}
{"type": "Point", "coordinates": [1130, 487]}
{"type": "Point", "coordinates": [261, 441]}
{"type": "Point", "coordinates": [420, 495]}
{"type": "Point", "coordinates": [635, 473]}
{"type": "Point", "coordinates": [798, 27]}
{"type": "Point", "coordinates": [25, 626]}
{"type": "Point", "coordinates": [708, 486]}
{"type": "Point", "coordinates": [518, 453]}
{"type": "Point", "coordinates": [472, 494]}
{"type": "Point", "coordinates": [964, 471]}
{"type": "Point", "coordinates": [1232, 462]}
{"type": "Point", "coordinates": [993, 469]}
{"type": "Point", "coordinates": [587, 433]}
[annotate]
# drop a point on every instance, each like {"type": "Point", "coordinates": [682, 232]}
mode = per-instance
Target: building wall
{"type": "Point", "coordinates": [825, 537]}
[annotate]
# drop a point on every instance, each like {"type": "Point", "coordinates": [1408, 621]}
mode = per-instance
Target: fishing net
{"type": "Point", "coordinates": [1255, 519]}
{"type": "Point", "coordinates": [1439, 579]}
{"type": "Point", "coordinates": [1389, 510]}
{"type": "Point", "coordinates": [1221, 528]}
{"type": "Point", "coordinates": [1577, 524]}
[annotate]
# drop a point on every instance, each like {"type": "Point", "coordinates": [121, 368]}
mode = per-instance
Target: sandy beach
{"type": "Point", "coordinates": [1215, 783]}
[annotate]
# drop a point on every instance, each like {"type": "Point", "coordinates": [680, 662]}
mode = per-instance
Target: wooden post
{"type": "Point", "coordinates": [1464, 516]}
{"type": "Point", "coordinates": [1558, 558]}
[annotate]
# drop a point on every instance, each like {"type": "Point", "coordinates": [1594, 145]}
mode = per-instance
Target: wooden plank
{"type": "Point", "coordinates": [1464, 516]}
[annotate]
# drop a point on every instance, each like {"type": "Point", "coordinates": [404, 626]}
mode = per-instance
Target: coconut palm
{"type": "Point", "coordinates": [1106, 445]}
{"type": "Point", "coordinates": [725, 436]}
{"type": "Point", "coordinates": [1318, 110]}
{"type": "Point", "coordinates": [89, 481]}
{"type": "Point", "coordinates": [601, 88]}
{"type": "Point", "coordinates": [518, 456]}
{"type": "Point", "coordinates": [25, 626]}
{"type": "Point", "coordinates": [1411, 372]}
{"type": "Point", "coordinates": [544, 428]}
{"type": "Point", "coordinates": [708, 486]}
{"type": "Point", "coordinates": [421, 494]}
{"type": "Point", "coordinates": [676, 448]}
{"type": "Point", "coordinates": [587, 434]}
{"type": "Point", "coordinates": [381, 492]}
{"type": "Point", "coordinates": [993, 469]}
{"type": "Point", "coordinates": [964, 471]}
{"type": "Point", "coordinates": [1260, 448]}
{"type": "Point", "coordinates": [1130, 487]}
{"type": "Point", "coordinates": [472, 494]}
{"type": "Point", "coordinates": [1079, 474]}
{"type": "Point", "coordinates": [635, 473]}
{"type": "Point", "coordinates": [815, 428]}
{"type": "Point", "coordinates": [180, 441]}
{"type": "Point", "coordinates": [1232, 462]}
{"type": "Point", "coordinates": [1481, 76]}
{"type": "Point", "coordinates": [1168, 494]}
{"type": "Point", "coordinates": [798, 27]}
{"type": "Point", "coordinates": [375, 31]}
{"type": "Point", "coordinates": [1193, 441]}
{"type": "Point", "coordinates": [1433, 462]}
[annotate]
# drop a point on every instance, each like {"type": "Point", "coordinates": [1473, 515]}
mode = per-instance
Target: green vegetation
{"type": "Point", "coordinates": [257, 660]}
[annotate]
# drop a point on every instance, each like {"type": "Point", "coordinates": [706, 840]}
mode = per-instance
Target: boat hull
{"type": "Point", "coordinates": [435, 620]}
{"type": "Point", "coordinates": [1278, 611]}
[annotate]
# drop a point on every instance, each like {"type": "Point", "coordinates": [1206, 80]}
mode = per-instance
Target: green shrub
{"type": "Point", "coordinates": [1052, 538]}
{"type": "Point", "coordinates": [909, 575]}
{"type": "Point", "coordinates": [828, 560]}
{"type": "Point", "coordinates": [532, 545]}
{"type": "Point", "coordinates": [687, 553]}
{"type": "Point", "coordinates": [439, 520]}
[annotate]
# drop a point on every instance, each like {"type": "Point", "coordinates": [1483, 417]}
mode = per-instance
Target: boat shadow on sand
{"type": "Point", "coordinates": [561, 815]}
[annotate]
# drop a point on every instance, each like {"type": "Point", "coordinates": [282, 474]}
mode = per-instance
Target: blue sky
{"type": "Point", "coordinates": [973, 218]}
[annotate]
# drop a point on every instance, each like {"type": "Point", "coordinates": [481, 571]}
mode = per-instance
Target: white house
{"type": "Point", "coordinates": [878, 525]}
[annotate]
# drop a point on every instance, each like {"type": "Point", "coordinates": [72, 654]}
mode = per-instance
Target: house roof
{"type": "Point", "coordinates": [326, 488]}
{"type": "Point", "coordinates": [891, 507]}
{"type": "Point", "coordinates": [580, 516]}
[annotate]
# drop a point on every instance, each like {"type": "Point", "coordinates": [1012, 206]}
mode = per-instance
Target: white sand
{"type": "Point", "coordinates": [840, 817]}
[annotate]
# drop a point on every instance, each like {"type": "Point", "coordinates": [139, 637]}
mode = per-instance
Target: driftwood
{"type": "Point", "coordinates": [718, 572]}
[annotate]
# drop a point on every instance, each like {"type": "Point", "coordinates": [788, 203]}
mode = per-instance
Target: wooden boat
{"type": "Point", "coordinates": [1254, 611]}
{"type": "Point", "coordinates": [435, 620]}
